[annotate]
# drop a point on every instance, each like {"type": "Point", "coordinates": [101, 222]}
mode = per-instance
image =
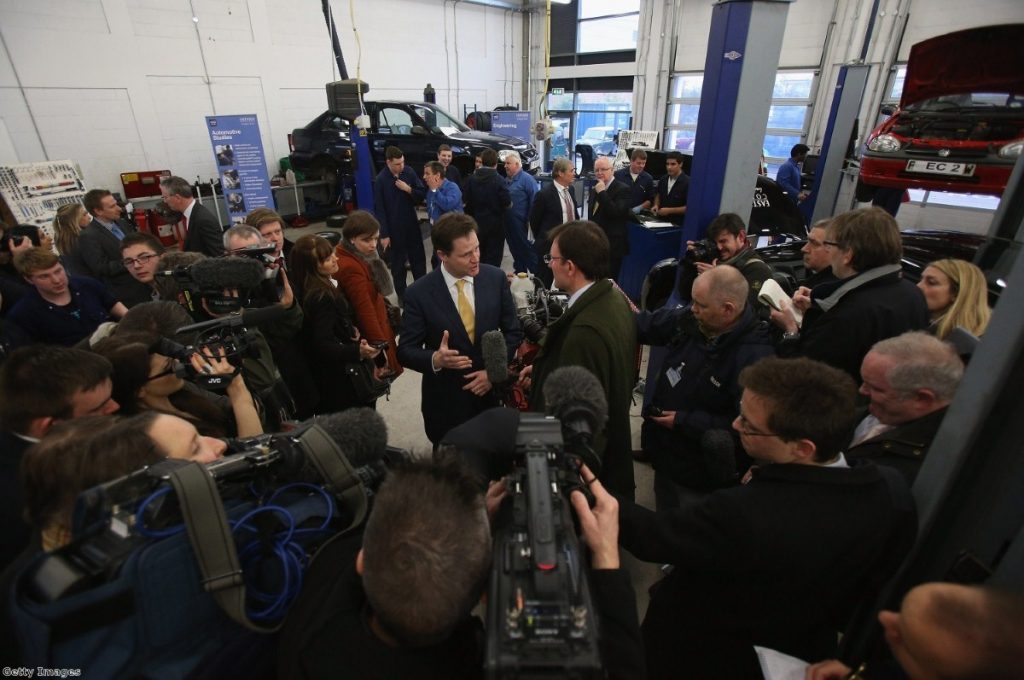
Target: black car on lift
{"type": "Point", "coordinates": [322, 149]}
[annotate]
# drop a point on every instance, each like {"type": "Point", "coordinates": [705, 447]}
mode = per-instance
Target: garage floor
{"type": "Point", "coordinates": [407, 432]}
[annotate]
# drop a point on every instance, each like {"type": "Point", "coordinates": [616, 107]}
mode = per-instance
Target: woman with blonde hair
{"type": "Point", "coordinates": [67, 225]}
{"type": "Point", "coordinates": [957, 295]}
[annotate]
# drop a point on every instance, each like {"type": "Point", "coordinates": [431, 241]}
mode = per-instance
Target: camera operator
{"type": "Point", "coordinates": [282, 335]}
{"type": "Point", "coordinates": [726, 243]}
{"type": "Point", "coordinates": [405, 587]}
{"type": "Point", "coordinates": [145, 380]}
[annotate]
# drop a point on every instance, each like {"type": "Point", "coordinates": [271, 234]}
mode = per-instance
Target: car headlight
{"type": "Point", "coordinates": [503, 154]}
{"type": "Point", "coordinates": [1012, 150]}
{"type": "Point", "coordinates": [884, 144]}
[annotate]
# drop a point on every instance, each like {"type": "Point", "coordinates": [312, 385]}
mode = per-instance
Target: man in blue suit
{"type": "Point", "coordinates": [396, 193]}
{"type": "Point", "coordinates": [446, 313]}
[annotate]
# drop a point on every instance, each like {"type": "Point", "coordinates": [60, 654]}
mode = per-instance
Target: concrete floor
{"type": "Point", "coordinates": [401, 412]}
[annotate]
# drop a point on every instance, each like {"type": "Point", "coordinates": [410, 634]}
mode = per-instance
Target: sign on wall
{"type": "Point", "coordinates": [512, 123]}
{"type": "Point", "coordinates": [238, 149]}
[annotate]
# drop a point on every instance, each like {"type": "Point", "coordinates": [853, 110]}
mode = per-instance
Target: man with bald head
{"type": "Point", "coordinates": [608, 206]}
{"type": "Point", "coordinates": [697, 389]}
{"type": "Point", "coordinates": [951, 631]}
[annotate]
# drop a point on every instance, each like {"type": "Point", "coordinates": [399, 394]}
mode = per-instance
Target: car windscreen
{"type": "Point", "coordinates": [439, 121]}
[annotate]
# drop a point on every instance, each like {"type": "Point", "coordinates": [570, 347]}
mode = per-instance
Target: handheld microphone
{"type": "Point", "coordinates": [218, 273]}
{"type": "Point", "coordinates": [718, 449]}
{"type": "Point", "coordinates": [495, 354]}
{"type": "Point", "coordinates": [574, 396]}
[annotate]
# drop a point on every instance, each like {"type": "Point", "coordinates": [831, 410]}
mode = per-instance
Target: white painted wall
{"type": "Point", "coordinates": [124, 85]}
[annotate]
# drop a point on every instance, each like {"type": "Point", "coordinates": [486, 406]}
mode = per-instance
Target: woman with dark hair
{"type": "Point", "coordinates": [67, 225]}
{"type": "Point", "coordinates": [328, 326]}
{"type": "Point", "coordinates": [145, 380]}
{"type": "Point", "coordinates": [366, 280]}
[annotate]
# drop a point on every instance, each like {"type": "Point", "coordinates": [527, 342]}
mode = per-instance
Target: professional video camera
{"type": "Point", "coordinates": [704, 250]}
{"type": "Point", "coordinates": [541, 620]}
{"type": "Point", "coordinates": [543, 307]}
{"type": "Point", "coordinates": [207, 280]}
{"type": "Point", "coordinates": [235, 334]}
{"type": "Point", "coordinates": [314, 481]}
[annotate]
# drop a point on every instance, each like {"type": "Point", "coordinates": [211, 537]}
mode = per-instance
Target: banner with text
{"type": "Point", "coordinates": [512, 123]}
{"type": "Point", "coordinates": [238, 149]}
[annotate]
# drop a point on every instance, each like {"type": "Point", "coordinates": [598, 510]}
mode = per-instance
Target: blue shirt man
{"type": "Point", "coordinates": [788, 176]}
{"type": "Point", "coordinates": [521, 189]}
{"type": "Point", "coordinates": [443, 195]}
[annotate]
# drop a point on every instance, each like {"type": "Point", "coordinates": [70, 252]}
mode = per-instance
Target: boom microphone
{"type": "Point", "coordinates": [249, 317]}
{"type": "Point", "coordinates": [360, 433]}
{"type": "Point", "coordinates": [574, 396]}
{"type": "Point", "coordinates": [718, 449]}
{"type": "Point", "coordinates": [495, 353]}
{"type": "Point", "coordinates": [218, 273]}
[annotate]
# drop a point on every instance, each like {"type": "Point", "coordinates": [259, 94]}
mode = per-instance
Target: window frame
{"type": "Point", "coordinates": [580, 21]}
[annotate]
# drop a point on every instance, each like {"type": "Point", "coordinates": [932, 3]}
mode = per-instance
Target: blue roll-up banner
{"type": "Point", "coordinates": [512, 123]}
{"type": "Point", "coordinates": [238, 150]}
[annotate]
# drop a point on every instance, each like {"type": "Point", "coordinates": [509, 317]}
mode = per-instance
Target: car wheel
{"type": "Point", "coordinates": [326, 171]}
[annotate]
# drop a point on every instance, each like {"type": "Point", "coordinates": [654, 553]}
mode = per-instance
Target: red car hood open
{"type": "Point", "coordinates": [986, 59]}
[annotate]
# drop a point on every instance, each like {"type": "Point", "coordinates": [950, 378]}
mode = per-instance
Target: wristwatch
{"type": "Point", "coordinates": [791, 336]}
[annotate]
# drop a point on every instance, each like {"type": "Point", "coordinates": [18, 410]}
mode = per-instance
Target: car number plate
{"type": "Point", "coordinates": [941, 168]}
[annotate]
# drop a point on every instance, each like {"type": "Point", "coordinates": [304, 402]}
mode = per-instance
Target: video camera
{"type": "Point", "coordinates": [541, 620]}
{"type": "Point", "coordinates": [704, 250]}
{"type": "Point", "coordinates": [329, 484]}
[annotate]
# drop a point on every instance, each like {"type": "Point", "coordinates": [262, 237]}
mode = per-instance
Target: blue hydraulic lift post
{"type": "Point", "coordinates": [739, 75]}
{"type": "Point", "coordinates": [849, 93]}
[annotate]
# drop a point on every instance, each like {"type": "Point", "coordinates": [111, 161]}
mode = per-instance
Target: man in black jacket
{"type": "Point", "coordinates": [673, 190]}
{"type": "Point", "coordinates": [641, 184]}
{"type": "Point", "coordinates": [783, 560]}
{"type": "Point", "coordinates": [910, 380]}
{"type": "Point", "coordinates": [203, 232]}
{"type": "Point", "coordinates": [869, 302]}
{"type": "Point", "coordinates": [553, 205]}
{"type": "Point", "coordinates": [99, 246]}
{"type": "Point", "coordinates": [609, 208]}
{"type": "Point", "coordinates": [697, 389]}
{"type": "Point", "coordinates": [487, 199]}
{"type": "Point", "coordinates": [729, 235]}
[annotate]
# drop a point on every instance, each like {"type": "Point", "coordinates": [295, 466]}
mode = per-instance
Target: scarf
{"type": "Point", "coordinates": [379, 271]}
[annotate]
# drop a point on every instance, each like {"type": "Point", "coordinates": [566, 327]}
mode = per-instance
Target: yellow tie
{"type": "Point", "coordinates": [466, 311]}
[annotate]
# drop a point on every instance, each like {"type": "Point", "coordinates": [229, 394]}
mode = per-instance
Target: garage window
{"type": "Point", "coordinates": [787, 119]}
{"type": "Point", "coordinates": [607, 25]}
{"type": "Point", "coordinates": [591, 117]}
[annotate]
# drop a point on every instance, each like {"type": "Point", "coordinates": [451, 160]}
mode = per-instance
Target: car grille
{"type": "Point", "coordinates": [933, 152]}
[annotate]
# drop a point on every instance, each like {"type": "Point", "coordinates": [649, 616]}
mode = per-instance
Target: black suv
{"type": "Point", "coordinates": [322, 149]}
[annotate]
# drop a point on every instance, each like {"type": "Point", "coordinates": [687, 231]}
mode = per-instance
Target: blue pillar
{"type": "Point", "coordinates": [842, 115]}
{"type": "Point", "coordinates": [739, 76]}
{"type": "Point", "coordinates": [363, 168]}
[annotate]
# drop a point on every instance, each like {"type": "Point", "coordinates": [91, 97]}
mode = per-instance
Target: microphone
{"type": "Point", "coordinates": [218, 273]}
{"type": "Point", "coordinates": [718, 449]}
{"type": "Point", "coordinates": [495, 354]}
{"type": "Point", "coordinates": [249, 317]}
{"type": "Point", "coordinates": [360, 433]}
{"type": "Point", "coordinates": [574, 396]}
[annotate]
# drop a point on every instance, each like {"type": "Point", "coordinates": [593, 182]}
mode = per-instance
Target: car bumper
{"type": "Point", "coordinates": [892, 172]}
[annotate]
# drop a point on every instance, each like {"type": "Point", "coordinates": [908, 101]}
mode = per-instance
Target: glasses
{"type": "Point", "coordinates": [548, 258]}
{"type": "Point", "coordinates": [832, 244]}
{"type": "Point", "coordinates": [748, 429]}
{"type": "Point", "coordinates": [140, 260]}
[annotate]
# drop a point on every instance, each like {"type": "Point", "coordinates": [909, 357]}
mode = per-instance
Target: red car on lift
{"type": "Point", "coordinates": [960, 125]}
